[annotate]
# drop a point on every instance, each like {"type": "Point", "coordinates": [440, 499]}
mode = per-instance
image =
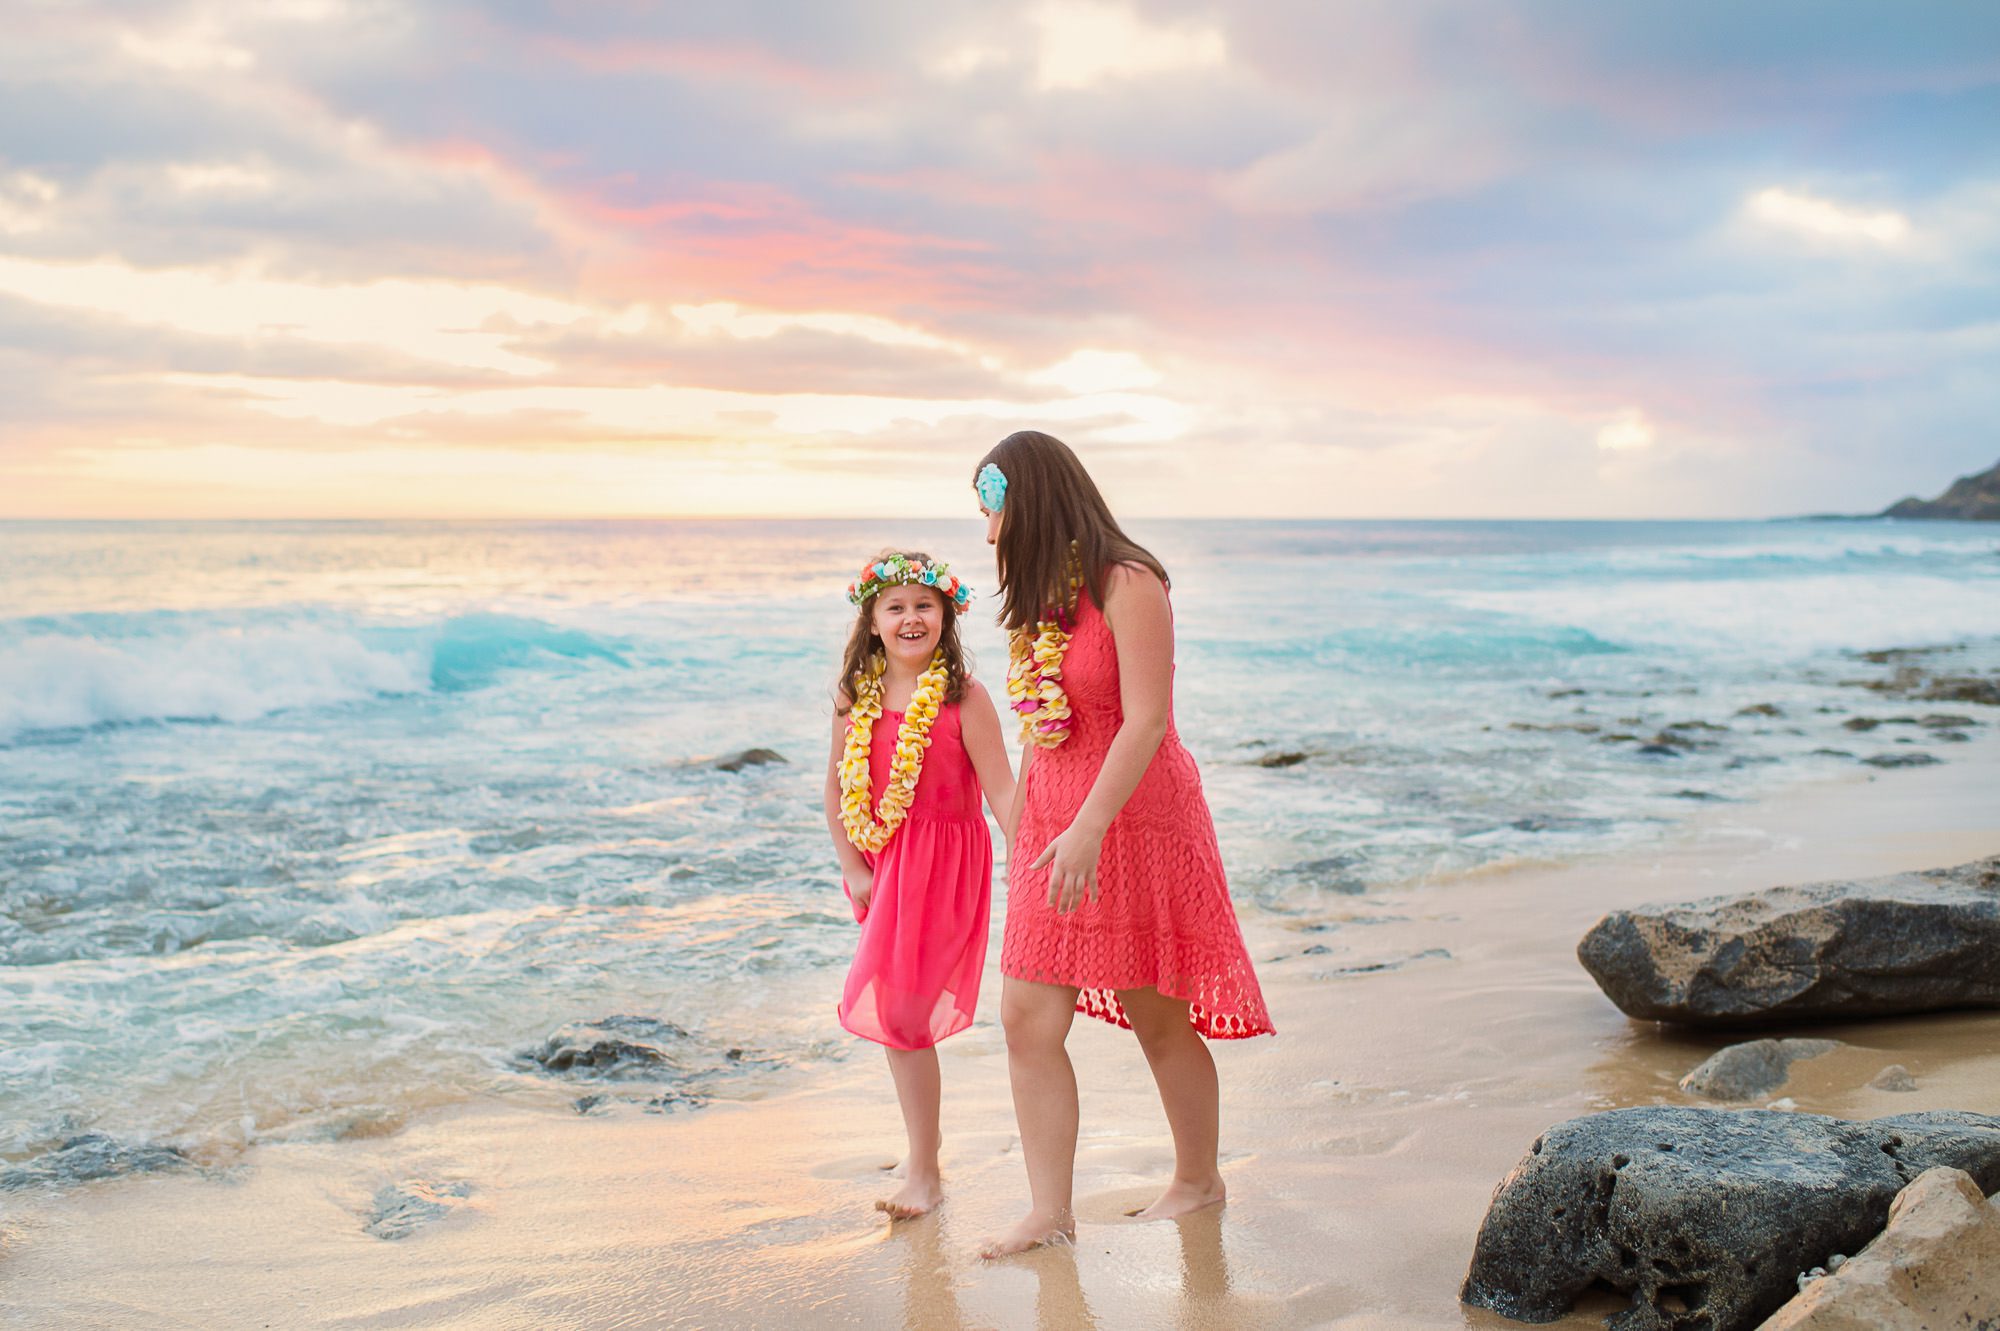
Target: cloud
{"type": "Point", "coordinates": [456, 324]}
{"type": "Point", "coordinates": [1398, 246]}
{"type": "Point", "coordinates": [1084, 44]}
{"type": "Point", "coordinates": [1628, 432]}
{"type": "Point", "coordinates": [1823, 220]}
{"type": "Point", "coordinates": [1093, 371]}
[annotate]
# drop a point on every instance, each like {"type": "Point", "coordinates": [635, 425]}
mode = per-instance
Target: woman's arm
{"type": "Point", "coordinates": [1142, 630]}
{"type": "Point", "coordinates": [860, 878]}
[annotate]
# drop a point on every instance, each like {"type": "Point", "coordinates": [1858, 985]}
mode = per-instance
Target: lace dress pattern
{"type": "Point", "coordinates": [1162, 918]}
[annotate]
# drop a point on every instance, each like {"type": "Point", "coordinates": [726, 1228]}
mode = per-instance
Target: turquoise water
{"type": "Point", "coordinates": [306, 826]}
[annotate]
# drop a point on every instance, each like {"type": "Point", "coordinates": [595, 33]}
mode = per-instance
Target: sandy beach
{"type": "Point", "coordinates": [1427, 1035]}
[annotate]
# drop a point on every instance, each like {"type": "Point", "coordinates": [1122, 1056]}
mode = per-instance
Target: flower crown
{"type": "Point", "coordinates": [897, 571]}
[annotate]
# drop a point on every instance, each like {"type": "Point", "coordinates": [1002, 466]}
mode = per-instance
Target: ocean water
{"type": "Point", "coordinates": [307, 827]}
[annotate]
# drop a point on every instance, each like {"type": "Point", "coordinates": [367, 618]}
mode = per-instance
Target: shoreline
{"type": "Point", "coordinates": [1427, 1034]}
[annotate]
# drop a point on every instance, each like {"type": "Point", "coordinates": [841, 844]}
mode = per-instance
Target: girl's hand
{"type": "Point", "coordinates": [1071, 860]}
{"type": "Point", "coordinates": [860, 888]}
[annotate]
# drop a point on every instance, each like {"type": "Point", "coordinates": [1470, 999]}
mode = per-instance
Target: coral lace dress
{"type": "Point", "coordinates": [1162, 918]}
{"type": "Point", "coordinates": [915, 977]}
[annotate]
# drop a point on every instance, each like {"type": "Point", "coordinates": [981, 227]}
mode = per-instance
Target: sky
{"type": "Point", "coordinates": [1313, 258]}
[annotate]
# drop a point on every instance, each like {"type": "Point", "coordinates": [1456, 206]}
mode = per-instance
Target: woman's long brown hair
{"type": "Point", "coordinates": [861, 643]}
{"type": "Point", "coordinates": [1051, 501]}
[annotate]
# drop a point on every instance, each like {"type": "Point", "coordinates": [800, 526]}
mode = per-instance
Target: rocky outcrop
{"type": "Point", "coordinates": [1973, 498]}
{"type": "Point", "coordinates": [1705, 1217]}
{"type": "Point", "coordinates": [1909, 942]}
{"type": "Point", "coordinates": [1753, 1068]}
{"type": "Point", "coordinates": [1936, 1266]}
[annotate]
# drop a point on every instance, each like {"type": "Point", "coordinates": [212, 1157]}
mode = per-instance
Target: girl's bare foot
{"type": "Point", "coordinates": [919, 1196]}
{"type": "Point", "coordinates": [1035, 1230]}
{"type": "Point", "coordinates": [1181, 1198]}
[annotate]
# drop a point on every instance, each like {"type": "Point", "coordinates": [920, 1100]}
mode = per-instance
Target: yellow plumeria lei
{"type": "Point", "coordinates": [869, 826]}
{"type": "Point", "coordinates": [1034, 669]}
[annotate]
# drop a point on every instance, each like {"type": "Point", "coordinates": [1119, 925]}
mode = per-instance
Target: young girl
{"type": "Point", "coordinates": [1116, 902]}
{"type": "Point", "coordinates": [915, 738]}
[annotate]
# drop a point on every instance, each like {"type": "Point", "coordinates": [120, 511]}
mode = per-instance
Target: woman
{"type": "Point", "coordinates": [1116, 905]}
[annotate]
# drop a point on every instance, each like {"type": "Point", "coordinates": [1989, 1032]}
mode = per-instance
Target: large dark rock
{"type": "Point", "coordinates": [1974, 498]}
{"type": "Point", "coordinates": [1909, 942]}
{"type": "Point", "coordinates": [1705, 1217]}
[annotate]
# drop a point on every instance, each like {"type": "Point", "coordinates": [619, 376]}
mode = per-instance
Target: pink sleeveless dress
{"type": "Point", "coordinates": [915, 977]}
{"type": "Point", "coordinates": [1162, 918]}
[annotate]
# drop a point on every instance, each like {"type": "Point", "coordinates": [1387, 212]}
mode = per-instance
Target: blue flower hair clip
{"type": "Point", "coordinates": [991, 483]}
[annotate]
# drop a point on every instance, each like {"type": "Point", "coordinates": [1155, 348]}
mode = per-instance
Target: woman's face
{"type": "Point", "coordinates": [992, 524]}
{"type": "Point", "coordinates": [910, 622]}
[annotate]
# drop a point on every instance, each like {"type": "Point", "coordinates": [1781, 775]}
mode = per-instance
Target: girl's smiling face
{"type": "Point", "coordinates": [910, 622]}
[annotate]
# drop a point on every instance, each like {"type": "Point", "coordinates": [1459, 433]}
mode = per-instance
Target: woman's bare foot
{"type": "Point", "coordinates": [1181, 1198]}
{"type": "Point", "coordinates": [1036, 1229]}
{"type": "Point", "coordinates": [919, 1196]}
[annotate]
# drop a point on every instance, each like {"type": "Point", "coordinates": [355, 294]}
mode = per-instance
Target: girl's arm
{"type": "Point", "coordinates": [1020, 799]}
{"type": "Point", "coordinates": [860, 878]}
{"type": "Point", "coordinates": [979, 723]}
{"type": "Point", "coordinates": [1142, 629]}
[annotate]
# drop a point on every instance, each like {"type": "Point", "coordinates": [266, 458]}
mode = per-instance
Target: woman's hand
{"type": "Point", "coordinates": [860, 888]}
{"type": "Point", "coordinates": [1071, 860]}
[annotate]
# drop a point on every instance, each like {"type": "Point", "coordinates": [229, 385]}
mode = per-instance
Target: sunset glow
{"type": "Point", "coordinates": [356, 259]}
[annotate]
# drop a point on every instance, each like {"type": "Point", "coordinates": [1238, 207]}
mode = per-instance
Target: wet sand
{"type": "Point", "coordinates": [1440, 1029]}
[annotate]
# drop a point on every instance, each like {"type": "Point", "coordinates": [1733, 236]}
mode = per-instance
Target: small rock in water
{"type": "Point", "coordinates": [1761, 709]}
{"type": "Point", "coordinates": [736, 762]}
{"type": "Point", "coordinates": [1329, 864]}
{"type": "Point", "coordinates": [401, 1209]}
{"type": "Point", "coordinates": [669, 1101]}
{"type": "Point", "coordinates": [618, 1047]}
{"type": "Point", "coordinates": [1287, 758]}
{"type": "Point", "coordinates": [1657, 750]}
{"type": "Point", "coordinates": [1862, 723]}
{"type": "Point", "coordinates": [1963, 688]}
{"type": "Point", "coordinates": [1697, 795]}
{"type": "Point", "coordinates": [1753, 1068]}
{"type": "Point", "coordinates": [1902, 760]}
{"type": "Point", "coordinates": [1895, 1077]}
{"type": "Point", "coordinates": [589, 1104]}
{"type": "Point", "coordinates": [1397, 963]}
{"type": "Point", "coordinates": [1939, 722]}
{"type": "Point", "coordinates": [89, 1157]}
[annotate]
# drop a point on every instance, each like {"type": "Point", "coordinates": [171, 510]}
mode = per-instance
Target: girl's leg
{"type": "Point", "coordinates": [1185, 1074]}
{"type": "Point", "coordinates": [1037, 1019]}
{"type": "Point", "coordinates": [918, 1090]}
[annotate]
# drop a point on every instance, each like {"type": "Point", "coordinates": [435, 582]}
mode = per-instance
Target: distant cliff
{"type": "Point", "coordinates": [1971, 498]}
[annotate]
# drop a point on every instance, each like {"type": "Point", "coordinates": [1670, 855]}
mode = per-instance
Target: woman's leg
{"type": "Point", "coordinates": [1185, 1074]}
{"type": "Point", "coordinates": [1037, 1019]}
{"type": "Point", "coordinates": [917, 1089]}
